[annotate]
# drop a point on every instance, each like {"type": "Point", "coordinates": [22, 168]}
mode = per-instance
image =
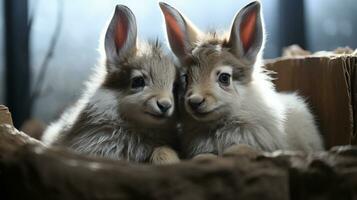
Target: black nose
{"type": "Point", "coordinates": [164, 105]}
{"type": "Point", "coordinates": [195, 102]}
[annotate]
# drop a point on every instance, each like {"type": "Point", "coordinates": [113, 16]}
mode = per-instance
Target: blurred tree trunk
{"type": "Point", "coordinates": [17, 59]}
{"type": "Point", "coordinates": [292, 23]}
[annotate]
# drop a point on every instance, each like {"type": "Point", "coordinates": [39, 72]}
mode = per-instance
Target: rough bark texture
{"type": "Point", "coordinates": [5, 115]}
{"type": "Point", "coordinates": [29, 170]}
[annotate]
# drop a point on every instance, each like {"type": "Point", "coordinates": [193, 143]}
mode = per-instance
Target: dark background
{"type": "Point", "coordinates": [56, 41]}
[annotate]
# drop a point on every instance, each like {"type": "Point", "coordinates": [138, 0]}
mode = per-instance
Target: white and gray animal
{"type": "Point", "coordinates": [229, 99]}
{"type": "Point", "coordinates": [127, 110]}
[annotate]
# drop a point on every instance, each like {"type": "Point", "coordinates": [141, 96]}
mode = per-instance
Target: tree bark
{"type": "Point", "coordinates": [30, 170]}
{"type": "Point", "coordinates": [5, 115]}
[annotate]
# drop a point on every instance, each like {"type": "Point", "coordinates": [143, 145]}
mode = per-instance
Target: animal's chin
{"type": "Point", "coordinates": [142, 118]}
{"type": "Point", "coordinates": [210, 115]}
{"type": "Point", "coordinates": [158, 118]}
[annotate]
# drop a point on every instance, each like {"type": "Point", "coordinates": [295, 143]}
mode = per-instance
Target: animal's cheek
{"type": "Point", "coordinates": [227, 96]}
{"type": "Point", "coordinates": [234, 92]}
{"type": "Point", "coordinates": [217, 91]}
{"type": "Point", "coordinates": [231, 90]}
{"type": "Point", "coordinates": [211, 100]}
{"type": "Point", "coordinates": [189, 91]}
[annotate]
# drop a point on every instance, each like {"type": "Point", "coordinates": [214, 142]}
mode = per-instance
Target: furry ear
{"type": "Point", "coordinates": [120, 38]}
{"type": "Point", "coordinates": [181, 32]}
{"type": "Point", "coordinates": [247, 33]}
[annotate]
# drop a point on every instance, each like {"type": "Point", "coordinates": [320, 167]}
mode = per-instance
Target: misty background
{"type": "Point", "coordinates": [327, 24]}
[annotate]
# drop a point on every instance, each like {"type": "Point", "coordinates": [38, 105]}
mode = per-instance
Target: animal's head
{"type": "Point", "coordinates": [217, 67]}
{"type": "Point", "coordinates": [143, 76]}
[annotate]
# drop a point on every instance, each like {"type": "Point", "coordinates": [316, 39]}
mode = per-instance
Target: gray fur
{"type": "Point", "coordinates": [113, 119]}
{"type": "Point", "coordinates": [248, 110]}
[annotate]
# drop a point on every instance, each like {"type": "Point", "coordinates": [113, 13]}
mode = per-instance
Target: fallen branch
{"type": "Point", "coordinates": [11, 140]}
{"type": "Point", "coordinates": [33, 171]}
{"type": "Point", "coordinates": [5, 115]}
{"type": "Point", "coordinates": [30, 170]}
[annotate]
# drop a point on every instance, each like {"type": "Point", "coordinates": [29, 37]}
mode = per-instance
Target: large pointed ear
{"type": "Point", "coordinates": [181, 33]}
{"type": "Point", "coordinates": [247, 33]}
{"type": "Point", "coordinates": [120, 38]}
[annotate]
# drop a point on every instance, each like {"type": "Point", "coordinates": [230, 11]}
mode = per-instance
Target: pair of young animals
{"type": "Point", "coordinates": [137, 107]}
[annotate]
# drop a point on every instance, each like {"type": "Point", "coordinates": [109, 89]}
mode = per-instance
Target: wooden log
{"type": "Point", "coordinates": [32, 171]}
{"type": "Point", "coordinates": [11, 140]}
{"type": "Point", "coordinates": [5, 115]}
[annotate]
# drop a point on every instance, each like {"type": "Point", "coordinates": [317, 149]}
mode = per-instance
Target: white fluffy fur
{"type": "Point", "coordinates": [105, 134]}
{"type": "Point", "coordinates": [284, 117]}
{"type": "Point", "coordinates": [248, 111]}
{"type": "Point", "coordinates": [113, 119]}
{"type": "Point", "coordinates": [265, 120]}
{"type": "Point", "coordinates": [102, 106]}
{"type": "Point", "coordinates": [71, 114]}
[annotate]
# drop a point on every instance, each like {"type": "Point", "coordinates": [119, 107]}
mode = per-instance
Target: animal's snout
{"type": "Point", "coordinates": [195, 101]}
{"type": "Point", "coordinates": [164, 105]}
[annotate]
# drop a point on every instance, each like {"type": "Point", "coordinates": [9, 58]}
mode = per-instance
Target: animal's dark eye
{"type": "Point", "coordinates": [137, 82]}
{"type": "Point", "coordinates": [224, 79]}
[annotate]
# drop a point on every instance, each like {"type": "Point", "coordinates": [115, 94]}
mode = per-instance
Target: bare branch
{"type": "Point", "coordinates": [38, 86]}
